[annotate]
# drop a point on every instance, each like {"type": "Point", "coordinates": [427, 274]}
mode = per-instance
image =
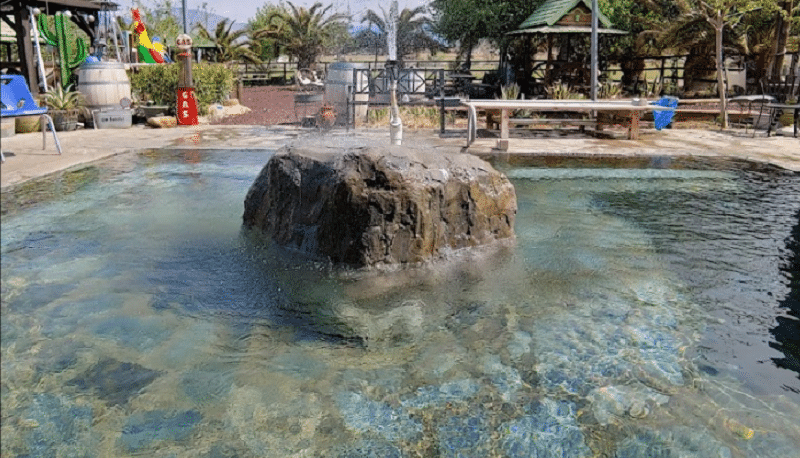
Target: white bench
{"type": "Point", "coordinates": [633, 110]}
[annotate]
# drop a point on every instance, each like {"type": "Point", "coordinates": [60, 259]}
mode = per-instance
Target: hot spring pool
{"type": "Point", "coordinates": [640, 313]}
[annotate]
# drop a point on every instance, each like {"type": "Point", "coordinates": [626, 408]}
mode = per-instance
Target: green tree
{"type": "Point", "coordinates": [159, 20]}
{"type": "Point", "coordinates": [643, 20]}
{"type": "Point", "coordinates": [304, 33]}
{"type": "Point", "coordinates": [231, 46]}
{"type": "Point", "coordinates": [266, 48]}
{"type": "Point", "coordinates": [702, 21]}
{"type": "Point", "coordinates": [768, 33]}
{"type": "Point", "coordinates": [466, 22]}
{"type": "Point", "coordinates": [412, 35]}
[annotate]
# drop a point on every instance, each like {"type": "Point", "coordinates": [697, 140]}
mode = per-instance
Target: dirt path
{"type": "Point", "coordinates": [269, 105]}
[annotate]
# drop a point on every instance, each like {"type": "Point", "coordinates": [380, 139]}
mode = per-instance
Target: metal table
{"type": "Point", "coordinates": [794, 107]}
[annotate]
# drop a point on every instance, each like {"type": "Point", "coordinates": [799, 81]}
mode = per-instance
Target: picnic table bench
{"type": "Point", "coordinates": [633, 110]}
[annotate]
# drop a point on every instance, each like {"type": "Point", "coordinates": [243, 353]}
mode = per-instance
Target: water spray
{"type": "Point", "coordinates": [393, 72]}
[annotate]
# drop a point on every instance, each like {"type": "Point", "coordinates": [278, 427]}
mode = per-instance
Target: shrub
{"type": "Point", "coordinates": [156, 83]}
{"type": "Point", "coordinates": [509, 92]}
{"type": "Point", "coordinates": [562, 92]}
{"type": "Point", "coordinates": [212, 82]}
{"type": "Point", "coordinates": [609, 90]}
{"type": "Point", "coordinates": [159, 83]}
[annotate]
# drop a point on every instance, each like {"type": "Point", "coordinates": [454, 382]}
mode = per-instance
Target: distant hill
{"type": "Point", "coordinates": [208, 20]}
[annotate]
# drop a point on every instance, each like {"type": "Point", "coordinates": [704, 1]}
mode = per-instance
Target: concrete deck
{"type": "Point", "coordinates": [26, 160]}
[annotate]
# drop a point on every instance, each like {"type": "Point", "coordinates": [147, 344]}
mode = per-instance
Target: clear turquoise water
{"type": "Point", "coordinates": [640, 313]}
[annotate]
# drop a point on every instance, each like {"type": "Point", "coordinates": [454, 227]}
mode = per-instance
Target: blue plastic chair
{"type": "Point", "coordinates": [18, 101]}
{"type": "Point", "coordinates": [662, 118]}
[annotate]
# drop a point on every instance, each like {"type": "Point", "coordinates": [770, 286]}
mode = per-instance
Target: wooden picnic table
{"type": "Point", "coordinates": [625, 106]}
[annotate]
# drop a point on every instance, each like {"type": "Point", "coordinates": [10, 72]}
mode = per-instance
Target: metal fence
{"type": "Point", "coordinates": [664, 69]}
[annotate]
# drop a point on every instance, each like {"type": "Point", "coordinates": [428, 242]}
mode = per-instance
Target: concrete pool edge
{"type": "Point", "coordinates": [28, 160]}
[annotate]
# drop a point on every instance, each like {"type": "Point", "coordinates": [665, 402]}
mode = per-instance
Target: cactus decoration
{"type": "Point", "coordinates": [59, 40]}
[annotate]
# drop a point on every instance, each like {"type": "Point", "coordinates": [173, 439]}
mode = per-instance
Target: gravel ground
{"type": "Point", "coordinates": [269, 105]}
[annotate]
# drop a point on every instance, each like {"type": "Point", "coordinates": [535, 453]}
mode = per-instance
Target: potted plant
{"type": "Point", "coordinates": [64, 106]}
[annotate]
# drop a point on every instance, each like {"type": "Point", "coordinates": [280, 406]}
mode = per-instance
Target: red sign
{"type": "Point", "coordinates": [187, 107]}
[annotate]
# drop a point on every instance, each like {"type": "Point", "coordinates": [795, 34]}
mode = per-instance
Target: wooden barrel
{"type": "Point", "coordinates": [103, 84]}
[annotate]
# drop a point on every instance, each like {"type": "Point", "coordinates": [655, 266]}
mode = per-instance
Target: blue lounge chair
{"type": "Point", "coordinates": [662, 118]}
{"type": "Point", "coordinates": [18, 101]}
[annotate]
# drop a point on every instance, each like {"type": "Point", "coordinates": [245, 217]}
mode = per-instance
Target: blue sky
{"type": "Point", "coordinates": [242, 10]}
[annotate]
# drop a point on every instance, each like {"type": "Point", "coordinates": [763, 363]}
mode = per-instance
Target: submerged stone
{"type": "Point", "coordinates": [56, 356]}
{"type": "Point", "coordinates": [205, 386]}
{"type": "Point", "coordinates": [506, 379]}
{"type": "Point", "coordinates": [142, 429]}
{"type": "Point", "coordinates": [114, 381]}
{"type": "Point", "coordinates": [548, 430]}
{"type": "Point", "coordinates": [370, 448]}
{"type": "Point", "coordinates": [464, 437]}
{"type": "Point", "coordinates": [674, 442]}
{"type": "Point", "coordinates": [365, 206]}
{"type": "Point", "coordinates": [38, 295]}
{"type": "Point", "coordinates": [577, 355]}
{"type": "Point", "coordinates": [365, 415]}
{"type": "Point", "coordinates": [613, 401]}
{"type": "Point", "coordinates": [433, 395]}
{"type": "Point", "coordinates": [59, 428]}
{"type": "Point", "coordinates": [143, 334]}
{"type": "Point", "coordinates": [767, 444]}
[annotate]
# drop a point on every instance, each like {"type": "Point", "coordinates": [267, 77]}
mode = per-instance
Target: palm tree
{"type": "Point", "coordinates": [411, 30]}
{"type": "Point", "coordinates": [230, 45]}
{"type": "Point", "coordinates": [711, 26]}
{"type": "Point", "coordinates": [303, 33]}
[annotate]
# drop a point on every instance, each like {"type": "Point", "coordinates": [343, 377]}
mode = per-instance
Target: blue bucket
{"type": "Point", "coordinates": [662, 118]}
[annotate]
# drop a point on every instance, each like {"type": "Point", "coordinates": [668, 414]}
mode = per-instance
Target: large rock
{"type": "Point", "coordinates": [366, 206]}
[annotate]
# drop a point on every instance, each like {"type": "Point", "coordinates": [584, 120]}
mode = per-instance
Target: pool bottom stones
{"type": "Point", "coordinates": [124, 336]}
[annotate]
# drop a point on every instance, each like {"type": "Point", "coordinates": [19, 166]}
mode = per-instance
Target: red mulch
{"type": "Point", "coordinates": [269, 105]}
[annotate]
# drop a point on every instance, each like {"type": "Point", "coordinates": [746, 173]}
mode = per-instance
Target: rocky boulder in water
{"type": "Point", "coordinates": [366, 206]}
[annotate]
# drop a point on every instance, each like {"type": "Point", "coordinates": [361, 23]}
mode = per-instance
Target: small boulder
{"type": "Point", "coordinates": [162, 121]}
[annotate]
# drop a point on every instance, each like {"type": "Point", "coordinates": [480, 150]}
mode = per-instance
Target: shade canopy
{"type": "Point", "coordinates": [566, 29]}
{"type": "Point", "coordinates": [563, 12]}
{"type": "Point", "coordinates": [17, 15]}
{"type": "Point", "coordinates": [78, 6]}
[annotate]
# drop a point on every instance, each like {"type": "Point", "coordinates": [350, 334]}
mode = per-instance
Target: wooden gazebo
{"type": "Point", "coordinates": [565, 19]}
{"type": "Point", "coordinates": [17, 15]}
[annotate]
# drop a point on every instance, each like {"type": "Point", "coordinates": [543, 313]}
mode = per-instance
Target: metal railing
{"type": "Point", "coordinates": [663, 69]}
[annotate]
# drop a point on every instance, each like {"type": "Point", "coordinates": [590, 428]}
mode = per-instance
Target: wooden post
{"type": "Point", "coordinates": [22, 27]}
{"type": "Point", "coordinates": [441, 96]}
{"type": "Point", "coordinates": [548, 78]}
{"type": "Point", "coordinates": [633, 126]}
{"type": "Point", "coordinates": [503, 142]}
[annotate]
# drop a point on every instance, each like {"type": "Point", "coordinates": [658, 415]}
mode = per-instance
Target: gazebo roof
{"type": "Point", "coordinates": [75, 5]}
{"type": "Point", "coordinates": [564, 16]}
{"type": "Point", "coordinates": [552, 11]}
